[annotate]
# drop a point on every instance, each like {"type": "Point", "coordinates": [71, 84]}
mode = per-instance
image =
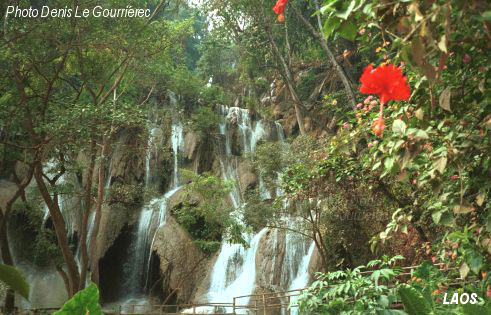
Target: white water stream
{"type": "Point", "coordinates": [234, 272]}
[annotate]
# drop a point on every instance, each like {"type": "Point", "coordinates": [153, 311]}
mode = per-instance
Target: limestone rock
{"type": "Point", "coordinates": [191, 141]}
{"type": "Point", "coordinates": [269, 258]}
{"type": "Point", "coordinates": [182, 195]}
{"type": "Point", "coordinates": [181, 262]}
{"type": "Point", "coordinates": [247, 175]}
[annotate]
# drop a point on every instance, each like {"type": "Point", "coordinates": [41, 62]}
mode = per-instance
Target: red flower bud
{"type": "Point", "coordinates": [379, 126]}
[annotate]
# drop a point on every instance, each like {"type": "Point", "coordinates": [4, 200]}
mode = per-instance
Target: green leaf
{"type": "Point", "coordinates": [440, 164]}
{"type": "Point", "coordinates": [436, 216]}
{"type": "Point", "coordinates": [486, 16]}
{"type": "Point", "coordinates": [331, 24]}
{"type": "Point", "coordinates": [14, 279]}
{"type": "Point", "coordinates": [474, 309]}
{"type": "Point", "coordinates": [328, 7]}
{"type": "Point", "coordinates": [413, 301]}
{"type": "Point", "coordinates": [442, 44]}
{"type": "Point", "coordinates": [376, 165]}
{"type": "Point", "coordinates": [444, 100]}
{"type": "Point", "coordinates": [389, 163]}
{"type": "Point", "coordinates": [476, 262]}
{"type": "Point", "coordinates": [421, 134]}
{"type": "Point", "coordinates": [399, 126]}
{"type": "Point", "coordinates": [464, 270]}
{"type": "Point", "coordinates": [348, 30]}
{"type": "Point", "coordinates": [85, 301]}
{"type": "Point", "coordinates": [344, 15]}
{"type": "Point", "coordinates": [383, 301]}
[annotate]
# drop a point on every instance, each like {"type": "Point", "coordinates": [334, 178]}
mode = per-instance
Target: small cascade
{"type": "Point", "coordinates": [148, 158]}
{"type": "Point", "coordinates": [152, 216]}
{"type": "Point", "coordinates": [240, 265]}
{"type": "Point", "coordinates": [302, 278]}
{"type": "Point", "coordinates": [177, 140]}
{"type": "Point", "coordinates": [140, 252]}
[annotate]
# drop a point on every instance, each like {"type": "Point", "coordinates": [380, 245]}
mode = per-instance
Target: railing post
{"type": "Point", "coordinates": [264, 304]}
{"type": "Point", "coordinates": [233, 307]}
{"type": "Point", "coordinates": [288, 306]}
{"type": "Point", "coordinates": [194, 309]}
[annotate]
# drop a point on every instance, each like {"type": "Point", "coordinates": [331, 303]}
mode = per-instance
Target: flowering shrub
{"type": "Point", "coordinates": [389, 84]}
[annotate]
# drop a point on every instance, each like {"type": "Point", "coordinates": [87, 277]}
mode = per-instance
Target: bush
{"type": "Point", "coordinates": [205, 120]}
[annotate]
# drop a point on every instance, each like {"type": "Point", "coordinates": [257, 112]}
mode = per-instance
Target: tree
{"type": "Point", "coordinates": [71, 79]}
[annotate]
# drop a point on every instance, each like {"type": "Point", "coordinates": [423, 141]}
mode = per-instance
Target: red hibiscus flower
{"type": "Point", "coordinates": [389, 84]}
{"type": "Point", "coordinates": [280, 6]}
{"type": "Point", "coordinates": [385, 81]}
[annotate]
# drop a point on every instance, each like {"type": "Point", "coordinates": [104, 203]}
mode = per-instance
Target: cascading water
{"type": "Point", "coordinates": [152, 216]}
{"type": "Point", "coordinates": [234, 271]}
{"type": "Point", "coordinates": [222, 288]}
{"type": "Point", "coordinates": [177, 140]}
{"type": "Point", "coordinates": [302, 278]}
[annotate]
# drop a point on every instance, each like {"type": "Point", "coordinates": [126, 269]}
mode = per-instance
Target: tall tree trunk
{"type": "Point", "coordinates": [60, 229]}
{"type": "Point", "coordinates": [98, 212]}
{"type": "Point", "coordinates": [325, 46]}
{"type": "Point", "coordinates": [85, 219]}
{"type": "Point", "coordinates": [287, 76]}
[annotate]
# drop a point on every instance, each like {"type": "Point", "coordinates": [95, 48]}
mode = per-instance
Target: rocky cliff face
{"type": "Point", "coordinates": [184, 274]}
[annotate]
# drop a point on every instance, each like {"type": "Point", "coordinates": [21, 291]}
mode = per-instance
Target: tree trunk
{"type": "Point", "coordinates": [325, 46]}
{"type": "Point", "coordinates": [287, 76]}
{"type": "Point", "coordinates": [60, 229]}
{"type": "Point", "coordinates": [98, 213]}
{"type": "Point", "coordinates": [85, 219]}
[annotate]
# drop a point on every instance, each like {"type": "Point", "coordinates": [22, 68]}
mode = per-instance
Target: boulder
{"type": "Point", "coordinates": [247, 175]}
{"type": "Point", "coordinates": [181, 262]}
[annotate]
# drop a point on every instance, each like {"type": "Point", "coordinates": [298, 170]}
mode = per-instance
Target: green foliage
{"type": "Point", "coordinates": [212, 95]}
{"type": "Point", "coordinates": [205, 120]}
{"type": "Point", "coordinates": [306, 85]}
{"type": "Point", "coordinates": [353, 292]}
{"type": "Point", "coordinates": [378, 291]}
{"type": "Point", "coordinates": [205, 214]}
{"type": "Point", "coordinates": [84, 302]}
{"type": "Point", "coordinates": [414, 302]}
{"type": "Point", "coordinates": [27, 223]}
{"type": "Point", "coordinates": [14, 279]}
{"type": "Point", "coordinates": [338, 15]}
{"type": "Point", "coordinates": [270, 159]}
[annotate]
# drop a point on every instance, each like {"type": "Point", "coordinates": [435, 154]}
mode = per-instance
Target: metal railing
{"type": "Point", "coordinates": [258, 304]}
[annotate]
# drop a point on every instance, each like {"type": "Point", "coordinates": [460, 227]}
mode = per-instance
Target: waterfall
{"type": "Point", "coordinates": [177, 140]}
{"type": "Point", "coordinates": [302, 278]}
{"type": "Point", "coordinates": [234, 272]}
{"type": "Point", "coordinates": [223, 288]}
{"type": "Point", "coordinates": [152, 216]}
{"type": "Point", "coordinates": [148, 157]}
